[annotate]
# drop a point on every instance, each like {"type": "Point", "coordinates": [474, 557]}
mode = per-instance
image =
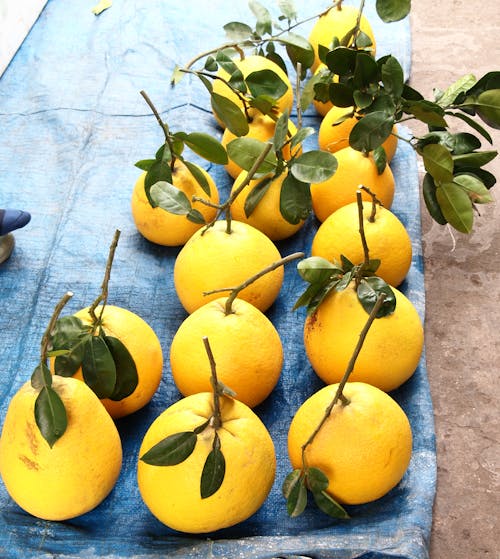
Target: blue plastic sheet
{"type": "Point", "coordinates": [72, 124]}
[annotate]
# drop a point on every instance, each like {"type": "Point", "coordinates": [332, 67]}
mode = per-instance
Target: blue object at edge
{"type": "Point", "coordinates": [73, 123]}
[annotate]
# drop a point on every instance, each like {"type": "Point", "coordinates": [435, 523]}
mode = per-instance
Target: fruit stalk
{"type": "Point", "coordinates": [216, 419]}
{"type": "Point", "coordinates": [48, 332]}
{"type": "Point", "coordinates": [339, 395]}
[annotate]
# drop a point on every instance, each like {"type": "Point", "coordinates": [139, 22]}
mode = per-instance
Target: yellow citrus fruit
{"type": "Point", "coordinates": [172, 493]}
{"type": "Point", "coordinates": [334, 137]}
{"type": "Point", "coordinates": [247, 65]}
{"type": "Point", "coordinates": [144, 347]}
{"type": "Point", "coordinates": [337, 22]}
{"type": "Point", "coordinates": [215, 259]}
{"type": "Point", "coordinates": [391, 350]}
{"type": "Point", "coordinates": [386, 237]}
{"type": "Point", "coordinates": [261, 128]}
{"type": "Point", "coordinates": [165, 228]}
{"type": "Point", "coordinates": [267, 215]}
{"type": "Point", "coordinates": [364, 447]}
{"type": "Point", "coordinates": [81, 468]}
{"type": "Point", "coordinates": [354, 169]}
{"type": "Point", "coordinates": [251, 373]}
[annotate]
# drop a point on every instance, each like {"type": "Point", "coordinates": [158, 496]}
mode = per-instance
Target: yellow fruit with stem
{"type": "Point", "coordinates": [206, 463]}
{"type": "Point", "coordinates": [337, 22]}
{"type": "Point", "coordinates": [60, 451]}
{"type": "Point", "coordinates": [354, 168]}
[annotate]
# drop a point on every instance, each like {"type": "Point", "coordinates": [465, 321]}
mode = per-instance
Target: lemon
{"type": "Point", "coordinates": [78, 472]}
{"type": "Point", "coordinates": [172, 493]}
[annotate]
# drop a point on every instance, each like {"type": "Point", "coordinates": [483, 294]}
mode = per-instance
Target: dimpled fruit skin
{"type": "Point", "coordinates": [165, 228]}
{"type": "Point", "coordinates": [217, 260]}
{"type": "Point", "coordinates": [390, 352]}
{"type": "Point", "coordinates": [267, 215]}
{"type": "Point", "coordinates": [364, 448]}
{"type": "Point", "coordinates": [81, 468]}
{"type": "Point", "coordinates": [144, 347]}
{"type": "Point", "coordinates": [246, 347]}
{"type": "Point", "coordinates": [386, 237]}
{"type": "Point", "coordinates": [172, 493]}
{"type": "Point", "coordinates": [354, 169]}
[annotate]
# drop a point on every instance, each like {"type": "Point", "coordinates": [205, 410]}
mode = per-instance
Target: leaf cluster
{"type": "Point", "coordinates": [324, 276]}
{"type": "Point", "coordinates": [160, 171]}
{"type": "Point", "coordinates": [296, 485]}
{"type": "Point", "coordinates": [177, 447]}
{"type": "Point", "coordinates": [301, 169]}
{"type": "Point", "coordinates": [107, 366]}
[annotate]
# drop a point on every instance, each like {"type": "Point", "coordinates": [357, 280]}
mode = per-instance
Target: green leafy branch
{"type": "Point", "coordinates": [307, 478]}
{"type": "Point", "coordinates": [324, 276]}
{"type": "Point", "coordinates": [160, 171]}
{"type": "Point", "coordinates": [50, 413]}
{"type": "Point", "coordinates": [176, 448]}
{"type": "Point", "coordinates": [107, 366]}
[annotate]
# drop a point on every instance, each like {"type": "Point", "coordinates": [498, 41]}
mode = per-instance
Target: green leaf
{"type": "Point", "coordinates": [474, 159]}
{"type": "Point", "coordinates": [427, 112]}
{"type": "Point", "coordinates": [456, 206]}
{"type": "Point", "coordinates": [465, 143]}
{"type": "Point", "coordinates": [341, 61]}
{"type": "Point", "coordinates": [371, 131]}
{"type": "Point", "coordinates": [264, 21]}
{"type": "Point", "coordinates": [488, 179]}
{"type": "Point", "coordinates": [237, 31]}
{"type": "Point", "coordinates": [280, 131]}
{"type": "Point", "coordinates": [430, 199]}
{"type": "Point", "coordinates": [170, 198]}
{"type": "Point", "coordinates": [70, 333]}
{"type": "Point", "coordinates": [314, 166]}
{"type": "Point", "coordinates": [368, 291]}
{"type": "Point", "coordinates": [462, 85]}
{"type": "Point", "coordinates": [263, 103]}
{"type": "Point", "coordinates": [126, 370]}
{"type": "Point", "coordinates": [316, 480]}
{"type": "Point", "coordinates": [476, 189]}
{"type": "Point", "coordinates": [438, 163]}
{"type": "Point", "coordinates": [211, 65]}
{"type": "Point", "coordinates": [380, 158]}
{"type": "Point", "coordinates": [245, 151]}
{"type": "Point", "coordinates": [50, 415]}
{"type": "Point", "coordinates": [410, 94]}
{"type": "Point", "coordinates": [341, 95]}
{"type": "Point", "coordinates": [301, 135]}
{"type": "Point", "coordinates": [237, 81]}
{"type": "Point", "coordinates": [290, 481]}
{"type": "Point", "coordinates": [214, 470]}
{"type": "Point", "coordinates": [198, 175]}
{"type": "Point", "coordinates": [295, 199]}
{"type": "Point", "coordinates": [98, 367]}
{"type": "Point", "coordinates": [298, 50]}
{"type": "Point", "coordinates": [442, 137]}
{"type": "Point", "coordinates": [312, 297]}
{"type": "Point", "coordinates": [195, 216]}
{"type": "Point", "coordinates": [317, 269]}
{"type": "Point", "coordinates": [256, 195]}
{"type": "Point", "coordinates": [145, 164]}
{"type": "Point", "coordinates": [490, 80]}
{"type": "Point", "coordinates": [171, 450]}
{"type": "Point", "coordinates": [178, 74]}
{"type": "Point", "coordinates": [365, 70]}
{"type": "Point", "coordinates": [207, 147]}
{"type": "Point", "coordinates": [226, 62]}
{"type": "Point", "coordinates": [296, 500]}
{"type": "Point", "coordinates": [288, 9]}
{"type": "Point", "coordinates": [159, 171]}
{"type": "Point", "coordinates": [488, 107]}
{"type": "Point", "coordinates": [393, 77]}
{"type": "Point", "coordinates": [473, 124]}
{"type": "Point", "coordinates": [393, 10]}
{"type": "Point", "coordinates": [41, 377]}
{"type": "Point", "coordinates": [267, 83]}
{"type": "Point", "coordinates": [230, 113]}
{"type": "Point", "coordinates": [328, 505]}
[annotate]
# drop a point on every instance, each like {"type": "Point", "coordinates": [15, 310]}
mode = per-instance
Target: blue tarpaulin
{"type": "Point", "coordinates": [72, 125]}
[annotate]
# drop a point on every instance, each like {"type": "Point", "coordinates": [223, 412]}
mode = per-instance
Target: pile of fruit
{"type": "Point", "coordinates": [208, 461]}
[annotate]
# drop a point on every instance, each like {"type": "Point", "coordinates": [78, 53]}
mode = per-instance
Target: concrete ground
{"type": "Point", "coordinates": [462, 280]}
